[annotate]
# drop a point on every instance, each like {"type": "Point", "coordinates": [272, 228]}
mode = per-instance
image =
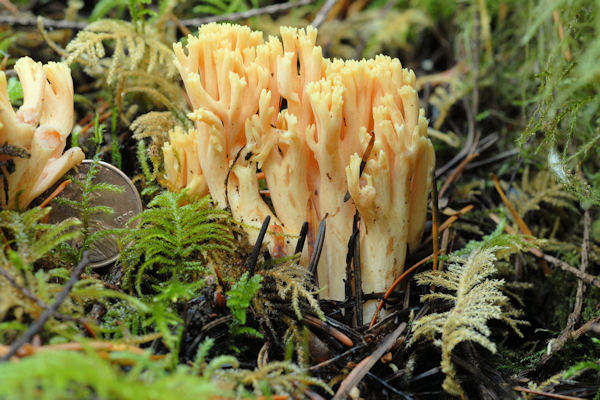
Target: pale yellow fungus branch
{"type": "Point", "coordinates": [40, 127]}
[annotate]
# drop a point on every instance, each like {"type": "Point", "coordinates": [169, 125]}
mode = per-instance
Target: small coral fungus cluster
{"type": "Point", "coordinates": [280, 110]}
{"type": "Point", "coordinates": [37, 132]}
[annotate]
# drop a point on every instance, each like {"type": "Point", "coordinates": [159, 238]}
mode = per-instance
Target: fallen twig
{"type": "Point", "coordinates": [56, 192]}
{"type": "Point", "coordinates": [587, 278]}
{"type": "Point", "coordinates": [39, 324]}
{"type": "Point", "coordinates": [27, 293]}
{"type": "Point", "coordinates": [394, 285]}
{"type": "Point", "coordinates": [363, 367]}
{"type": "Point", "coordinates": [522, 225]}
{"type": "Point", "coordinates": [576, 313]}
{"type": "Point", "coordinates": [78, 25]}
{"type": "Point", "coordinates": [435, 228]}
{"type": "Point", "coordinates": [323, 13]}
{"type": "Point", "coordinates": [545, 394]}
{"type": "Point", "coordinates": [456, 173]}
{"type": "Point", "coordinates": [338, 335]}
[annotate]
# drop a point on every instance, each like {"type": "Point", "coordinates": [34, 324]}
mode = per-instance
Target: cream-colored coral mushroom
{"type": "Point", "coordinates": [40, 127]}
{"type": "Point", "coordinates": [310, 151]}
{"type": "Point", "coordinates": [225, 70]}
{"type": "Point", "coordinates": [181, 162]}
{"type": "Point", "coordinates": [396, 176]}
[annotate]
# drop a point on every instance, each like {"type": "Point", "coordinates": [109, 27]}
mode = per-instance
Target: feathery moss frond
{"type": "Point", "coordinates": [32, 239]}
{"type": "Point", "coordinates": [281, 377]}
{"type": "Point", "coordinates": [292, 283]}
{"type": "Point", "coordinates": [543, 188]}
{"type": "Point", "coordinates": [77, 375]}
{"type": "Point", "coordinates": [131, 59]}
{"type": "Point", "coordinates": [27, 240]}
{"type": "Point", "coordinates": [475, 298]}
{"type": "Point", "coordinates": [175, 235]}
{"type": "Point", "coordinates": [238, 300]}
{"type": "Point", "coordinates": [132, 49]}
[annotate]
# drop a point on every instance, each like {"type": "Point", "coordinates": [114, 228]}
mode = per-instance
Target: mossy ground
{"type": "Point", "coordinates": [514, 82]}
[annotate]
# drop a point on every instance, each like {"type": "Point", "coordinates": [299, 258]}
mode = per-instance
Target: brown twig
{"type": "Point", "coordinates": [394, 285]}
{"type": "Point", "coordinates": [545, 394]}
{"type": "Point", "coordinates": [446, 224]}
{"type": "Point", "coordinates": [444, 248]}
{"type": "Point", "coordinates": [456, 173]}
{"type": "Point", "coordinates": [323, 13]}
{"type": "Point", "coordinates": [56, 192]}
{"type": "Point", "coordinates": [522, 225]}
{"type": "Point", "coordinates": [251, 265]}
{"type": "Point", "coordinates": [576, 313]}
{"type": "Point", "coordinates": [182, 28]}
{"type": "Point", "coordinates": [51, 43]}
{"type": "Point", "coordinates": [27, 293]}
{"type": "Point", "coordinates": [194, 22]}
{"type": "Point", "coordinates": [10, 6]}
{"type": "Point", "coordinates": [435, 231]}
{"type": "Point", "coordinates": [587, 278]}
{"type": "Point", "coordinates": [561, 33]}
{"type": "Point", "coordinates": [335, 333]}
{"type": "Point", "coordinates": [363, 367]}
{"type": "Point", "coordinates": [39, 324]}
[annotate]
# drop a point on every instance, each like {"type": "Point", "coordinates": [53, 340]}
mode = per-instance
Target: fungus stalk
{"type": "Point", "coordinates": [40, 127]}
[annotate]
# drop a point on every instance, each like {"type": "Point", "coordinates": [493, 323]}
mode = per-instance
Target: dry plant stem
{"type": "Point", "coordinates": [522, 225]}
{"type": "Point", "coordinates": [39, 324]}
{"type": "Point", "coordinates": [446, 224]}
{"type": "Point", "coordinates": [394, 285]}
{"type": "Point", "coordinates": [587, 278]}
{"type": "Point", "coordinates": [9, 6]}
{"type": "Point", "coordinates": [574, 316]}
{"type": "Point", "coordinates": [457, 172]}
{"type": "Point", "coordinates": [336, 358]}
{"type": "Point", "coordinates": [182, 28]}
{"type": "Point", "coordinates": [323, 13]}
{"type": "Point", "coordinates": [359, 372]}
{"type": "Point", "coordinates": [29, 350]}
{"type": "Point", "coordinates": [56, 192]}
{"type": "Point", "coordinates": [576, 313]}
{"type": "Point", "coordinates": [194, 22]}
{"type": "Point", "coordinates": [561, 33]}
{"type": "Point", "coordinates": [491, 160]}
{"type": "Point", "coordinates": [358, 281]}
{"type": "Point", "coordinates": [435, 219]}
{"type": "Point", "coordinates": [444, 248]}
{"type": "Point", "coordinates": [51, 43]}
{"type": "Point", "coordinates": [27, 293]}
{"type": "Point", "coordinates": [339, 336]}
{"type": "Point", "coordinates": [557, 346]}
{"type": "Point", "coordinates": [318, 248]}
{"type": "Point", "coordinates": [544, 394]}
{"type": "Point", "coordinates": [257, 246]}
